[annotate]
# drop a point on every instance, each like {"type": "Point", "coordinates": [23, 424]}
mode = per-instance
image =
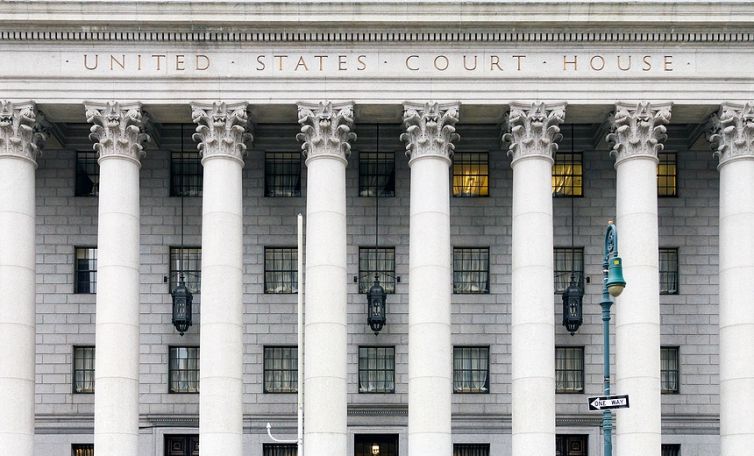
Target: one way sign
{"type": "Point", "coordinates": [608, 402]}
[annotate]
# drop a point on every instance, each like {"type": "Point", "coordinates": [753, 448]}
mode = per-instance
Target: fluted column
{"type": "Point", "coordinates": [429, 136]}
{"type": "Point", "coordinates": [733, 141]}
{"type": "Point", "coordinates": [118, 134]}
{"type": "Point", "coordinates": [222, 133]}
{"type": "Point", "coordinates": [533, 137]}
{"type": "Point", "coordinates": [20, 143]}
{"type": "Point", "coordinates": [637, 134]}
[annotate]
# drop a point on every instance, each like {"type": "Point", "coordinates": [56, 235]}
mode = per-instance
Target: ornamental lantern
{"type": "Point", "coordinates": [615, 281]}
{"type": "Point", "coordinates": [572, 297]}
{"type": "Point", "coordinates": [376, 300]}
{"type": "Point", "coordinates": [182, 299]}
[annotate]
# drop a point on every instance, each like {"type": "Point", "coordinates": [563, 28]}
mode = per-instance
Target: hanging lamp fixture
{"type": "Point", "coordinates": [574, 294]}
{"type": "Point", "coordinates": [182, 297]}
{"type": "Point", "coordinates": [376, 297]}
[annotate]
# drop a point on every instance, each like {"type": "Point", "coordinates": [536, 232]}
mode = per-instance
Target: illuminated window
{"type": "Point", "coordinates": [667, 174]}
{"type": "Point", "coordinates": [567, 175]}
{"type": "Point", "coordinates": [471, 174]}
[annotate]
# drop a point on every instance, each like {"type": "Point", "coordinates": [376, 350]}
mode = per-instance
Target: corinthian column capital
{"type": "Point", "coordinates": [221, 129]}
{"type": "Point", "coordinates": [731, 132]}
{"type": "Point", "coordinates": [326, 129]}
{"type": "Point", "coordinates": [117, 129]}
{"type": "Point", "coordinates": [430, 130]}
{"type": "Point", "coordinates": [637, 130]}
{"type": "Point", "coordinates": [21, 133]}
{"type": "Point", "coordinates": [534, 129]}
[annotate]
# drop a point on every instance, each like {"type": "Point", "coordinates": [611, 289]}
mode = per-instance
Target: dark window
{"type": "Point", "coordinates": [185, 173]}
{"type": "Point", "coordinates": [381, 444]}
{"type": "Point", "coordinates": [568, 175]}
{"type": "Point", "coordinates": [568, 260]}
{"type": "Point", "coordinates": [186, 260]}
{"type": "Point", "coordinates": [471, 449]}
{"type": "Point", "coordinates": [280, 369]}
{"type": "Point", "coordinates": [87, 173]}
{"type": "Point", "coordinates": [85, 270]}
{"type": "Point", "coordinates": [280, 275]}
{"type": "Point", "coordinates": [380, 261]}
{"type": "Point", "coordinates": [471, 270]}
{"type": "Point", "coordinates": [279, 449]}
{"type": "Point", "coordinates": [282, 174]}
{"type": "Point", "coordinates": [471, 369]}
{"type": "Point", "coordinates": [569, 369]}
{"type": "Point", "coordinates": [667, 174]}
{"type": "Point", "coordinates": [671, 449]}
{"type": "Point", "coordinates": [377, 172]}
{"type": "Point", "coordinates": [184, 370]}
{"type": "Point", "coordinates": [376, 369]}
{"type": "Point", "coordinates": [668, 271]}
{"type": "Point", "coordinates": [82, 449]}
{"type": "Point", "coordinates": [669, 375]}
{"type": "Point", "coordinates": [83, 369]}
{"type": "Point", "coordinates": [182, 445]}
{"type": "Point", "coordinates": [571, 445]}
{"type": "Point", "coordinates": [471, 174]}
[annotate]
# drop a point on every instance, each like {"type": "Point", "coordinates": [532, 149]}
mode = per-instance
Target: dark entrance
{"type": "Point", "coordinates": [571, 445]}
{"type": "Point", "coordinates": [375, 445]}
{"type": "Point", "coordinates": [182, 445]}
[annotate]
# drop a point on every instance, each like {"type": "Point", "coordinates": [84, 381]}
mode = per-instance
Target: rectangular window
{"type": "Point", "coordinates": [87, 173]}
{"type": "Point", "coordinates": [280, 275]}
{"type": "Point", "coordinates": [471, 449]}
{"type": "Point", "coordinates": [671, 449]}
{"type": "Point", "coordinates": [471, 270]}
{"type": "Point", "coordinates": [186, 261]}
{"type": "Point", "coordinates": [669, 374]}
{"type": "Point", "coordinates": [279, 449]}
{"type": "Point", "coordinates": [83, 369]}
{"type": "Point", "coordinates": [471, 369]}
{"type": "Point", "coordinates": [568, 260]}
{"type": "Point", "coordinates": [380, 261]}
{"type": "Point", "coordinates": [668, 271]}
{"type": "Point", "coordinates": [82, 449]}
{"type": "Point", "coordinates": [85, 270]}
{"type": "Point", "coordinates": [186, 178]}
{"type": "Point", "coordinates": [667, 174]}
{"type": "Point", "coordinates": [471, 174]}
{"type": "Point", "coordinates": [184, 370]}
{"type": "Point", "coordinates": [282, 174]}
{"type": "Point", "coordinates": [280, 369]}
{"type": "Point", "coordinates": [569, 369]}
{"type": "Point", "coordinates": [376, 369]}
{"type": "Point", "coordinates": [377, 174]}
{"type": "Point", "coordinates": [568, 175]}
{"type": "Point", "coordinates": [571, 445]}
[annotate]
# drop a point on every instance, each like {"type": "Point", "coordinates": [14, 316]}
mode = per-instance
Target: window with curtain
{"type": "Point", "coordinates": [376, 369]}
{"type": "Point", "coordinates": [569, 369]}
{"type": "Point", "coordinates": [280, 369]}
{"type": "Point", "coordinates": [186, 173]}
{"type": "Point", "coordinates": [471, 270]}
{"type": "Point", "coordinates": [279, 449]}
{"type": "Point", "coordinates": [671, 449]}
{"type": "Point", "coordinates": [377, 174]}
{"type": "Point", "coordinates": [667, 174]}
{"type": "Point", "coordinates": [669, 373]}
{"type": "Point", "coordinates": [471, 369]}
{"type": "Point", "coordinates": [568, 259]}
{"type": "Point", "coordinates": [183, 373]}
{"type": "Point", "coordinates": [82, 449]}
{"type": "Point", "coordinates": [282, 174]}
{"type": "Point", "coordinates": [186, 261]}
{"type": "Point", "coordinates": [568, 175]}
{"type": "Point", "coordinates": [87, 173]}
{"type": "Point", "coordinates": [668, 271]}
{"type": "Point", "coordinates": [280, 270]}
{"type": "Point", "coordinates": [471, 174]}
{"type": "Point", "coordinates": [380, 261]}
{"type": "Point", "coordinates": [471, 449]}
{"type": "Point", "coordinates": [85, 270]}
{"type": "Point", "coordinates": [83, 369]}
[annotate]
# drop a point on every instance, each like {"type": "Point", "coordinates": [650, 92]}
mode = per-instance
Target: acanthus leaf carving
{"type": "Point", "coordinates": [117, 129]}
{"type": "Point", "coordinates": [326, 129]}
{"type": "Point", "coordinates": [430, 130]}
{"type": "Point", "coordinates": [731, 132]}
{"type": "Point", "coordinates": [21, 131]}
{"type": "Point", "coordinates": [222, 129]}
{"type": "Point", "coordinates": [534, 129]}
{"type": "Point", "coordinates": [637, 130]}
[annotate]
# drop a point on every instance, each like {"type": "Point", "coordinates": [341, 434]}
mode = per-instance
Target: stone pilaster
{"type": "Point", "coordinates": [534, 133]}
{"type": "Point", "coordinates": [429, 136]}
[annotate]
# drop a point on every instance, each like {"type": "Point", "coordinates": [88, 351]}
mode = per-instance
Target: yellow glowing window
{"type": "Point", "coordinates": [471, 174]}
{"type": "Point", "coordinates": [667, 174]}
{"type": "Point", "coordinates": [568, 175]}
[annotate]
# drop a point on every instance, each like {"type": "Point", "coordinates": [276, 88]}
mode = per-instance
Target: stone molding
{"type": "Point", "coordinates": [22, 134]}
{"type": "Point", "coordinates": [731, 132]}
{"type": "Point", "coordinates": [534, 130]}
{"type": "Point", "coordinates": [430, 130]}
{"type": "Point", "coordinates": [221, 129]}
{"type": "Point", "coordinates": [117, 129]}
{"type": "Point", "coordinates": [326, 130]}
{"type": "Point", "coordinates": [637, 130]}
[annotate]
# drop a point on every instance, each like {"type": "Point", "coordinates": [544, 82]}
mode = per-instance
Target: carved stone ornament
{"type": "Point", "coordinates": [731, 132]}
{"type": "Point", "coordinates": [221, 129]}
{"type": "Point", "coordinates": [117, 129]}
{"type": "Point", "coordinates": [326, 129]}
{"type": "Point", "coordinates": [534, 130]}
{"type": "Point", "coordinates": [637, 130]}
{"type": "Point", "coordinates": [21, 133]}
{"type": "Point", "coordinates": [430, 130]}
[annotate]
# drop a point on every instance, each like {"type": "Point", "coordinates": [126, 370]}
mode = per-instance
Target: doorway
{"type": "Point", "coordinates": [375, 445]}
{"type": "Point", "coordinates": [571, 445]}
{"type": "Point", "coordinates": [182, 445]}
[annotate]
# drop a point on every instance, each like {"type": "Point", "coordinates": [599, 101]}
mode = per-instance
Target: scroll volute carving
{"type": "Point", "coordinates": [731, 132]}
{"type": "Point", "coordinates": [326, 130]}
{"type": "Point", "coordinates": [117, 129]}
{"type": "Point", "coordinates": [534, 129]}
{"type": "Point", "coordinates": [21, 132]}
{"type": "Point", "coordinates": [430, 130]}
{"type": "Point", "coordinates": [222, 129]}
{"type": "Point", "coordinates": [638, 130]}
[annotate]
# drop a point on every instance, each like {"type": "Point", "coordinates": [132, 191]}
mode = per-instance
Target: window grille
{"type": "Point", "coordinates": [280, 270]}
{"type": "Point", "coordinates": [569, 369]}
{"type": "Point", "coordinates": [380, 261]}
{"type": "Point", "coordinates": [279, 449]}
{"type": "Point", "coordinates": [186, 260]}
{"type": "Point", "coordinates": [87, 173]}
{"type": "Point", "coordinates": [85, 270]}
{"type": "Point", "coordinates": [668, 271]}
{"type": "Point", "coordinates": [471, 174]}
{"type": "Point", "coordinates": [376, 369]}
{"type": "Point", "coordinates": [282, 174]}
{"type": "Point", "coordinates": [568, 175]}
{"type": "Point", "coordinates": [280, 369]}
{"type": "Point", "coordinates": [184, 370]}
{"type": "Point", "coordinates": [82, 449]}
{"type": "Point", "coordinates": [471, 270]}
{"type": "Point", "coordinates": [471, 369]}
{"type": "Point", "coordinates": [671, 449]}
{"type": "Point", "coordinates": [669, 373]}
{"type": "Point", "coordinates": [377, 174]}
{"type": "Point", "coordinates": [186, 178]}
{"type": "Point", "coordinates": [667, 174]}
{"type": "Point", "coordinates": [566, 260]}
{"type": "Point", "coordinates": [471, 449]}
{"type": "Point", "coordinates": [83, 369]}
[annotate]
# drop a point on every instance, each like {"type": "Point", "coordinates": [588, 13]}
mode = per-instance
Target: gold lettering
{"type": "Point", "coordinates": [180, 62]}
{"type": "Point", "coordinates": [408, 62]}
{"type": "Point", "coordinates": [519, 59]}
{"type": "Point", "coordinates": [601, 62]}
{"type": "Point", "coordinates": [121, 63]}
{"type": "Point", "coordinates": [362, 63]}
{"type": "Point", "coordinates": [466, 67]}
{"type": "Point", "coordinates": [495, 62]}
{"type": "Point", "coordinates": [647, 59]}
{"type": "Point", "coordinates": [321, 59]}
{"type": "Point", "coordinates": [202, 62]}
{"type": "Point", "coordinates": [157, 57]}
{"type": "Point", "coordinates": [574, 62]}
{"type": "Point", "coordinates": [667, 63]}
{"type": "Point", "coordinates": [280, 59]}
{"type": "Point", "coordinates": [301, 63]}
{"type": "Point", "coordinates": [342, 62]}
{"type": "Point", "coordinates": [260, 61]}
{"type": "Point", "coordinates": [86, 62]}
{"type": "Point", "coordinates": [437, 60]}
{"type": "Point", "coordinates": [620, 67]}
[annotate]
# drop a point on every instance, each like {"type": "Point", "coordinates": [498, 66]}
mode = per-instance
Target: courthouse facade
{"type": "Point", "coordinates": [467, 154]}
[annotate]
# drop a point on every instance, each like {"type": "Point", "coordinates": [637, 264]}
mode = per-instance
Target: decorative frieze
{"type": "Point", "coordinates": [731, 132]}
{"type": "Point", "coordinates": [21, 132]}
{"type": "Point", "coordinates": [221, 129]}
{"type": "Point", "coordinates": [117, 129]}
{"type": "Point", "coordinates": [637, 130]}
{"type": "Point", "coordinates": [534, 129]}
{"type": "Point", "coordinates": [326, 129]}
{"type": "Point", "coordinates": [430, 130]}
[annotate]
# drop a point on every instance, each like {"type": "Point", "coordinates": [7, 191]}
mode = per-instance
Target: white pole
{"type": "Point", "coordinates": [300, 333]}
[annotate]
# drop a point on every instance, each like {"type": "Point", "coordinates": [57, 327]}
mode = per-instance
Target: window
{"type": "Point", "coordinates": [183, 374]}
{"type": "Point", "coordinates": [85, 270]}
{"type": "Point", "coordinates": [188, 261]}
{"type": "Point", "coordinates": [385, 444]}
{"type": "Point", "coordinates": [186, 177]}
{"type": "Point", "coordinates": [377, 174]}
{"type": "Point", "coordinates": [569, 369]}
{"type": "Point", "coordinates": [567, 260]}
{"type": "Point", "coordinates": [668, 271]}
{"type": "Point", "coordinates": [667, 174]}
{"type": "Point", "coordinates": [376, 369]}
{"type": "Point", "coordinates": [182, 445]}
{"type": "Point", "coordinates": [82, 449]}
{"type": "Point", "coordinates": [669, 375]}
{"type": "Point", "coordinates": [671, 449]}
{"type": "Point", "coordinates": [280, 369]}
{"type": "Point", "coordinates": [471, 270]}
{"type": "Point", "coordinates": [279, 449]}
{"type": "Point", "coordinates": [83, 369]}
{"type": "Point", "coordinates": [471, 369]}
{"type": "Point", "coordinates": [87, 173]}
{"type": "Point", "coordinates": [568, 175]}
{"type": "Point", "coordinates": [471, 449]}
{"type": "Point", "coordinates": [282, 174]}
{"type": "Point", "coordinates": [280, 275]}
{"type": "Point", "coordinates": [471, 174]}
{"type": "Point", "coordinates": [571, 445]}
{"type": "Point", "coordinates": [380, 261]}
